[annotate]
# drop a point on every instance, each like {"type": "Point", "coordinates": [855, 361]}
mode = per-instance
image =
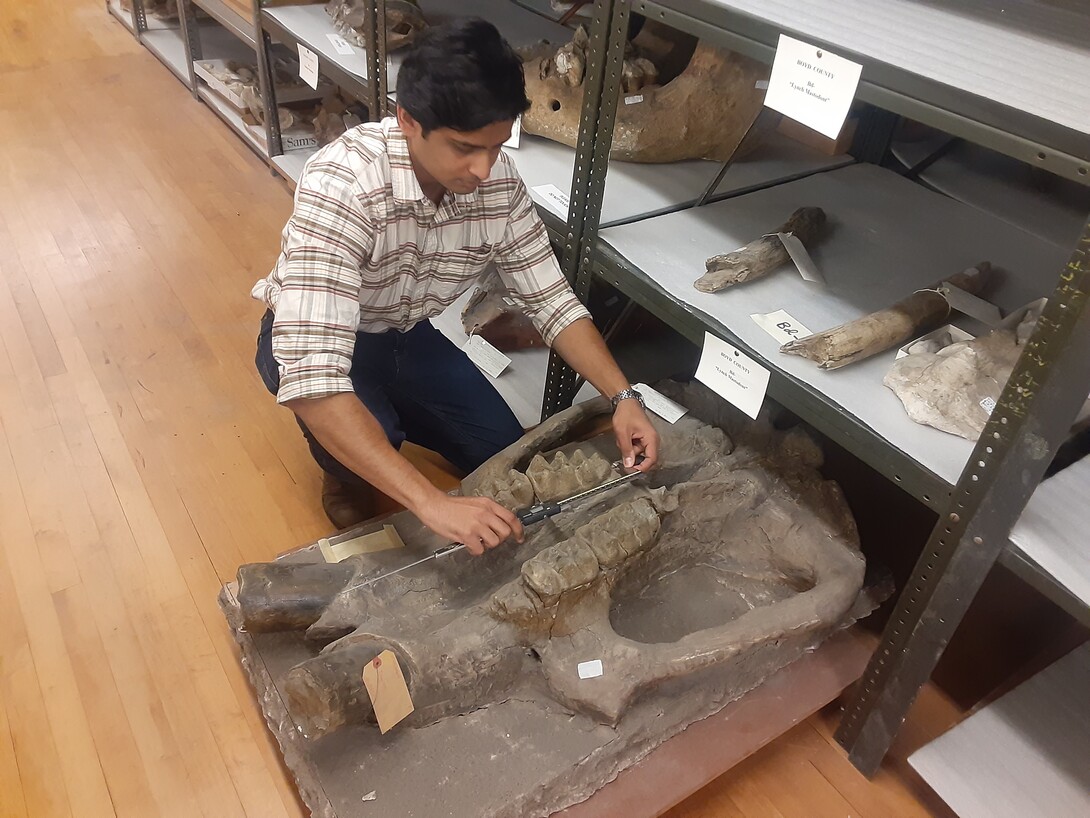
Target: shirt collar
{"type": "Point", "coordinates": [403, 181]}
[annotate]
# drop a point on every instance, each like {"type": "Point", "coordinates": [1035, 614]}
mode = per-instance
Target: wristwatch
{"type": "Point", "coordinates": [626, 394]}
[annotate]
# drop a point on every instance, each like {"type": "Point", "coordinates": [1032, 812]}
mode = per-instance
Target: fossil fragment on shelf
{"type": "Point", "coordinates": [885, 329]}
{"type": "Point", "coordinates": [956, 388]}
{"type": "Point", "coordinates": [403, 21]}
{"type": "Point", "coordinates": [762, 255]}
{"type": "Point", "coordinates": [663, 72]}
{"type": "Point", "coordinates": [493, 313]}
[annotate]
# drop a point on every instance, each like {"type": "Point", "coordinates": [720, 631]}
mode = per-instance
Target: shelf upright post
{"type": "Point", "coordinates": [267, 85]}
{"type": "Point", "coordinates": [139, 18]}
{"type": "Point", "coordinates": [1035, 411]}
{"type": "Point", "coordinates": [608, 35]}
{"type": "Point", "coordinates": [191, 36]}
{"type": "Point", "coordinates": [374, 27]}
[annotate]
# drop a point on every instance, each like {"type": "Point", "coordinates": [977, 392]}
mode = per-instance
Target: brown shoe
{"type": "Point", "coordinates": [347, 505]}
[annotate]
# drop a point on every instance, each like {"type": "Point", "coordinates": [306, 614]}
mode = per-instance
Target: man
{"type": "Point", "coordinates": [392, 223]}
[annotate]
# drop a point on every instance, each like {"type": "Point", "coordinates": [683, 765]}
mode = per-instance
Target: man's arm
{"type": "Point", "coordinates": [584, 349]}
{"type": "Point", "coordinates": [349, 432]}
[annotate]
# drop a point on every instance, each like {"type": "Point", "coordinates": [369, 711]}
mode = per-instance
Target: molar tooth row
{"type": "Point", "coordinates": [604, 542]}
{"type": "Point", "coordinates": [514, 493]}
{"type": "Point", "coordinates": [565, 475]}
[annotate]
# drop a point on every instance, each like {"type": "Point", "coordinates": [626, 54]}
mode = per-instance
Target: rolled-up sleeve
{"type": "Point", "coordinates": [528, 267]}
{"type": "Point", "coordinates": [317, 311]}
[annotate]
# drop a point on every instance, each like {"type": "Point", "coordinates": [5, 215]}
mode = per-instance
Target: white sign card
{"type": "Point", "coordinates": [661, 405]}
{"type": "Point", "coordinates": [340, 44]}
{"type": "Point", "coordinates": [487, 358]}
{"type": "Point", "coordinates": [554, 198]}
{"type": "Point", "coordinates": [732, 375]}
{"type": "Point", "coordinates": [516, 134]}
{"type": "Point", "coordinates": [781, 326]}
{"type": "Point", "coordinates": [590, 670]}
{"type": "Point", "coordinates": [812, 86]}
{"type": "Point", "coordinates": [308, 66]}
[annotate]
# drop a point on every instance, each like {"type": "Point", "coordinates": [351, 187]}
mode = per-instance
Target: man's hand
{"type": "Point", "coordinates": [478, 522]}
{"type": "Point", "coordinates": [635, 435]}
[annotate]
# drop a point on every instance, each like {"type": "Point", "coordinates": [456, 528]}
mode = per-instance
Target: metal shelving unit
{"type": "Point", "coordinates": [1000, 101]}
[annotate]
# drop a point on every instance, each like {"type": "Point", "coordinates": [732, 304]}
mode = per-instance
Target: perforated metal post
{"type": "Point", "coordinates": [1048, 386]}
{"type": "Point", "coordinates": [602, 84]}
{"type": "Point", "coordinates": [139, 17]}
{"type": "Point", "coordinates": [374, 36]}
{"type": "Point", "coordinates": [264, 43]}
{"type": "Point", "coordinates": [191, 36]}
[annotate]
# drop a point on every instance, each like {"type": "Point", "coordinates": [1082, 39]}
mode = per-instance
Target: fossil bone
{"type": "Point", "coordinates": [403, 20]}
{"type": "Point", "coordinates": [502, 324]}
{"type": "Point", "coordinates": [879, 331]}
{"type": "Point", "coordinates": [761, 256]}
{"type": "Point", "coordinates": [658, 123]}
{"type": "Point", "coordinates": [746, 549]}
{"type": "Point", "coordinates": [956, 388]}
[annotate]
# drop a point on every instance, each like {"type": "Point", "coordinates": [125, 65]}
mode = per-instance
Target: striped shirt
{"type": "Point", "coordinates": [366, 251]}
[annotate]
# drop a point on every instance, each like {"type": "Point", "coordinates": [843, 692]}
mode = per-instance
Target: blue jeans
{"type": "Point", "coordinates": [420, 387]}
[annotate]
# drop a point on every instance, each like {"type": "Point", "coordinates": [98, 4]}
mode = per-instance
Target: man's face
{"type": "Point", "coordinates": [457, 160]}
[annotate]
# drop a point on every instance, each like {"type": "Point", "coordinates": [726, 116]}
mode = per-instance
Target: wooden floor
{"type": "Point", "coordinates": [141, 459]}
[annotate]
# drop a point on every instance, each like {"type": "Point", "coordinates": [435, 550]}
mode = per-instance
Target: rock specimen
{"type": "Point", "coordinates": [493, 313]}
{"type": "Point", "coordinates": [882, 330]}
{"type": "Point", "coordinates": [763, 255]}
{"type": "Point", "coordinates": [403, 20]}
{"type": "Point", "coordinates": [727, 556]}
{"type": "Point", "coordinates": [656, 118]}
{"type": "Point", "coordinates": [956, 388]}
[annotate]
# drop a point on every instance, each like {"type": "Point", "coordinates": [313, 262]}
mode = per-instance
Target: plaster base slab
{"type": "Point", "coordinates": [525, 757]}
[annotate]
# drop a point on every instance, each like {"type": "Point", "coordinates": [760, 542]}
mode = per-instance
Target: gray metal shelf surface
{"type": "Point", "coordinates": [230, 117]}
{"type": "Point", "coordinates": [167, 44]}
{"type": "Point", "coordinates": [310, 26]}
{"type": "Point", "coordinates": [241, 27]}
{"type": "Point", "coordinates": [888, 238]}
{"type": "Point", "coordinates": [1009, 75]}
{"type": "Point", "coordinates": [1024, 754]}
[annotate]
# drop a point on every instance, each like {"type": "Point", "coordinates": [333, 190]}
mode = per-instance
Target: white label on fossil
{"type": "Point", "coordinates": [732, 375]}
{"type": "Point", "coordinates": [590, 670]}
{"type": "Point", "coordinates": [988, 405]}
{"type": "Point", "coordinates": [516, 134]}
{"type": "Point", "coordinates": [968, 304]}
{"type": "Point", "coordinates": [761, 85]}
{"type": "Point", "coordinates": [635, 99]}
{"type": "Point", "coordinates": [487, 358]}
{"type": "Point", "coordinates": [801, 256]}
{"type": "Point", "coordinates": [812, 86]}
{"type": "Point", "coordinates": [340, 44]}
{"type": "Point", "coordinates": [781, 326]}
{"type": "Point", "coordinates": [660, 404]}
{"type": "Point", "coordinates": [553, 198]}
{"type": "Point", "coordinates": [308, 66]}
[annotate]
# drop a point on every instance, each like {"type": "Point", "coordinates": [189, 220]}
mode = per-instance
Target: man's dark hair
{"type": "Point", "coordinates": [461, 75]}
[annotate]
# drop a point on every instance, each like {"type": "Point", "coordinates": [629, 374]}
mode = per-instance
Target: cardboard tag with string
{"type": "Point", "coordinates": [387, 690]}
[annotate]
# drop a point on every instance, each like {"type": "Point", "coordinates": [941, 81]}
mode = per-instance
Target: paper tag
{"type": "Point", "coordinates": [555, 199]}
{"type": "Point", "coordinates": [510, 302]}
{"type": "Point", "coordinates": [781, 326]}
{"type": "Point", "coordinates": [732, 375]}
{"type": "Point", "coordinates": [590, 670]}
{"type": "Point", "coordinates": [386, 687]}
{"type": "Point", "coordinates": [660, 404]}
{"type": "Point", "coordinates": [801, 256]}
{"type": "Point", "coordinates": [968, 304]}
{"type": "Point", "coordinates": [487, 358]}
{"type": "Point", "coordinates": [761, 85]}
{"type": "Point", "coordinates": [635, 99]}
{"type": "Point", "coordinates": [812, 86]}
{"type": "Point", "coordinates": [516, 134]}
{"type": "Point", "coordinates": [335, 549]}
{"type": "Point", "coordinates": [308, 66]}
{"type": "Point", "coordinates": [341, 45]}
{"type": "Point", "coordinates": [988, 405]}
